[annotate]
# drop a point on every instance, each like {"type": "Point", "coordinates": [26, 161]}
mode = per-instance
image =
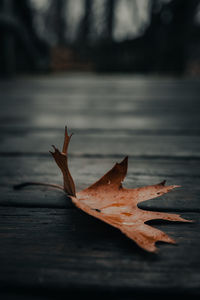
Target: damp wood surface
{"type": "Point", "coordinates": [46, 244]}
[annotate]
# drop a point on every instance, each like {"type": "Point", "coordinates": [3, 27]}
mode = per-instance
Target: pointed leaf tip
{"type": "Point", "coordinates": [124, 161]}
{"type": "Point", "coordinates": [163, 182]}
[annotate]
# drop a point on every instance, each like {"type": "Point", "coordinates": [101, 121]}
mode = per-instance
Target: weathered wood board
{"type": "Point", "coordinates": [103, 145]}
{"type": "Point", "coordinates": [86, 171]}
{"type": "Point", "coordinates": [46, 244]}
{"type": "Point", "coordinates": [67, 248]}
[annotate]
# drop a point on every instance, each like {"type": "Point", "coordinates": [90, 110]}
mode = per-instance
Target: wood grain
{"type": "Point", "coordinates": [67, 248]}
{"type": "Point", "coordinates": [103, 145]}
{"type": "Point", "coordinates": [87, 170]}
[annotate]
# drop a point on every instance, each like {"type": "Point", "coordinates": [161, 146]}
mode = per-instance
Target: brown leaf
{"type": "Point", "coordinates": [110, 202]}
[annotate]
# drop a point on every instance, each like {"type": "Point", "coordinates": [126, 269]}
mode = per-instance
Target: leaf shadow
{"type": "Point", "coordinates": [99, 236]}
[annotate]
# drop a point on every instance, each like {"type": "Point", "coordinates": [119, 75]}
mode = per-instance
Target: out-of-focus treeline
{"type": "Point", "coordinates": [145, 36]}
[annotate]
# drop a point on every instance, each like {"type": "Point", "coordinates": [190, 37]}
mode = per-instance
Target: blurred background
{"type": "Point", "coordinates": [139, 36]}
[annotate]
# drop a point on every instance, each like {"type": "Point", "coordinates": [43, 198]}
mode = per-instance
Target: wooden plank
{"type": "Point", "coordinates": [52, 248]}
{"type": "Point", "coordinates": [99, 121]}
{"type": "Point", "coordinates": [109, 107]}
{"type": "Point", "coordinates": [100, 102]}
{"type": "Point", "coordinates": [102, 145]}
{"type": "Point", "coordinates": [87, 170]}
{"type": "Point", "coordinates": [112, 114]}
{"type": "Point", "coordinates": [111, 82]}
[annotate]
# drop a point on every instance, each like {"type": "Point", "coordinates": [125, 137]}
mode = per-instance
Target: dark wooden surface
{"type": "Point", "coordinates": [47, 246]}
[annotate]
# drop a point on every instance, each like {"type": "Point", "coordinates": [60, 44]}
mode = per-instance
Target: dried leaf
{"type": "Point", "coordinates": [110, 202]}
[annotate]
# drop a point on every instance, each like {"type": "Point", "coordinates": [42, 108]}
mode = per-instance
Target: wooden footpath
{"type": "Point", "coordinates": [49, 248]}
